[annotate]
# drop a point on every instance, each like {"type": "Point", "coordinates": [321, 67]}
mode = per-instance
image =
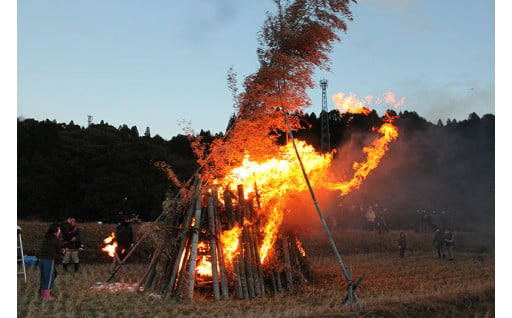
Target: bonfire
{"type": "Point", "coordinates": [224, 230]}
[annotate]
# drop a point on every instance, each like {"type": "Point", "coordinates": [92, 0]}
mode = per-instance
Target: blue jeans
{"type": "Point", "coordinates": [47, 269]}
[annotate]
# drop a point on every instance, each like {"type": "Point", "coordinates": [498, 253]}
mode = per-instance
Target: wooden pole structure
{"type": "Point", "coordinates": [182, 236]}
{"type": "Point", "coordinates": [182, 273]}
{"type": "Point", "coordinates": [257, 258]}
{"type": "Point", "coordinates": [245, 242]}
{"type": "Point", "coordinates": [189, 293]}
{"type": "Point", "coordinates": [228, 205]}
{"type": "Point", "coordinates": [220, 251]}
{"type": "Point", "coordinates": [273, 281]}
{"type": "Point", "coordinates": [151, 267]}
{"type": "Point", "coordinates": [287, 266]}
{"type": "Point", "coordinates": [213, 249]}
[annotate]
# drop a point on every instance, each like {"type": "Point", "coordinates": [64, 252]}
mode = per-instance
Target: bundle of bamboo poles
{"type": "Point", "coordinates": [172, 269]}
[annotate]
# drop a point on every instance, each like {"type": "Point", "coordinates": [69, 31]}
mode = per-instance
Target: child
{"type": "Point", "coordinates": [402, 244]}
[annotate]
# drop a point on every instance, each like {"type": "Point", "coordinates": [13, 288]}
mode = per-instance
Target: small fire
{"type": "Point", "coordinates": [111, 246]}
{"type": "Point", "coordinates": [230, 240]}
{"type": "Point", "coordinates": [299, 246]}
{"type": "Point", "coordinates": [204, 268]}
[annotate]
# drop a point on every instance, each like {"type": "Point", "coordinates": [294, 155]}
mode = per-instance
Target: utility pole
{"type": "Point", "coordinates": [325, 134]}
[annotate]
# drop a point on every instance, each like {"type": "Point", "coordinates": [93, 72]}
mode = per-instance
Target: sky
{"type": "Point", "coordinates": [164, 64]}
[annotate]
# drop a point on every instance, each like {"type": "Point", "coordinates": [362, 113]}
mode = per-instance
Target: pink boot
{"type": "Point", "coordinates": [46, 294]}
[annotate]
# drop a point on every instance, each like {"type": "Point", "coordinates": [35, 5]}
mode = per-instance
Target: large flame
{"type": "Point", "coordinates": [276, 179]}
{"type": "Point", "coordinates": [374, 153]}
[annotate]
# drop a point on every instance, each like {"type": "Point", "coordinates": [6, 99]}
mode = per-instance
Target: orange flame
{"type": "Point", "coordinates": [299, 246]}
{"type": "Point", "coordinates": [374, 153]}
{"type": "Point", "coordinates": [282, 176]}
{"type": "Point", "coordinates": [350, 104]}
{"type": "Point", "coordinates": [275, 219]}
{"type": "Point", "coordinates": [229, 240]}
{"type": "Point", "coordinates": [204, 268]}
{"type": "Point", "coordinates": [111, 246]}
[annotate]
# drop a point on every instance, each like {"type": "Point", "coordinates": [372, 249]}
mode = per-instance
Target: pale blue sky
{"type": "Point", "coordinates": [158, 63]}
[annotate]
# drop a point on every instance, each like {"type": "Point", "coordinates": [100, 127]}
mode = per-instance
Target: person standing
{"type": "Point", "coordinates": [50, 248]}
{"type": "Point", "coordinates": [449, 241]}
{"type": "Point", "coordinates": [439, 243]}
{"type": "Point", "coordinates": [370, 218]}
{"type": "Point", "coordinates": [124, 237]}
{"type": "Point", "coordinates": [72, 243]}
{"type": "Point", "coordinates": [402, 244]}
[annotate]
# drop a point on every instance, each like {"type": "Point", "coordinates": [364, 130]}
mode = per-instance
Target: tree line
{"type": "Point", "coordinates": [93, 173]}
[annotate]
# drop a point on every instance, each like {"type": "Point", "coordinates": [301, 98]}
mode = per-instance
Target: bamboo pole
{"type": "Point", "coordinates": [182, 236]}
{"type": "Point", "coordinates": [151, 266]}
{"type": "Point", "coordinates": [220, 251]}
{"type": "Point", "coordinates": [287, 267]}
{"type": "Point", "coordinates": [331, 240]}
{"type": "Point", "coordinates": [213, 250]}
{"type": "Point", "coordinates": [294, 251]}
{"type": "Point", "coordinates": [228, 205]}
{"type": "Point", "coordinates": [257, 258]}
{"type": "Point", "coordinates": [245, 242]}
{"type": "Point", "coordinates": [273, 281]}
{"type": "Point", "coordinates": [182, 274]}
{"type": "Point", "coordinates": [278, 280]}
{"type": "Point", "coordinates": [189, 293]}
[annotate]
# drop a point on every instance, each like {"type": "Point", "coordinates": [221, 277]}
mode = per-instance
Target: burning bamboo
{"type": "Point", "coordinates": [213, 250]}
{"type": "Point", "coordinates": [220, 252]}
{"type": "Point", "coordinates": [242, 204]}
{"type": "Point", "coordinates": [182, 238]}
{"type": "Point", "coordinates": [257, 259]}
{"type": "Point", "coordinates": [189, 293]}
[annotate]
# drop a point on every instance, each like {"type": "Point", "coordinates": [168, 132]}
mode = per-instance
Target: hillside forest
{"type": "Point", "coordinates": [93, 173]}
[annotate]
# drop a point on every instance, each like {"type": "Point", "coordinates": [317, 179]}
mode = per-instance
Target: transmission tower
{"type": "Point", "coordinates": [325, 138]}
{"type": "Point", "coordinates": [89, 120]}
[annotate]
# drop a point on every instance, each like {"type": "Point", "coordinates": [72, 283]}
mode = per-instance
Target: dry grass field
{"type": "Point", "coordinates": [420, 285]}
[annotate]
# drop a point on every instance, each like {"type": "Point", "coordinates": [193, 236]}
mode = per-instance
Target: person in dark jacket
{"type": "Point", "coordinates": [72, 243]}
{"type": "Point", "coordinates": [439, 243]}
{"type": "Point", "coordinates": [124, 238]}
{"type": "Point", "coordinates": [50, 248]}
{"type": "Point", "coordinates": [402, 244]}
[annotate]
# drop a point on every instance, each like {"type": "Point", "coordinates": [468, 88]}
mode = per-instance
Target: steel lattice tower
{"type": "Point", "coordinates": [325, 137]}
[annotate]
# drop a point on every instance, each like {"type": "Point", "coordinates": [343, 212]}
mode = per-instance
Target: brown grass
{"type": "Point", "coordinates": [420, 285]}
